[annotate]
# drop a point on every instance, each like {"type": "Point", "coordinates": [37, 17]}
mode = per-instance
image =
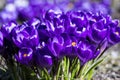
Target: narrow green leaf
{"type": "Point", "coordinates": [93, 66]}
{"type": "Point", "coordinates": [89, 76]}
{"type": "Point", "coordinates": [75, 70]}
{"type": "Point", "coordinates": [74, 62]}
{"type": "Point", "coordinates": [33, 74]}
{"type": "Point", "coordinates": [46, 74]}
{"type": "Point", "coordinates": [59, 69]}
{"type": "Point", "coordinates": [67, 66]}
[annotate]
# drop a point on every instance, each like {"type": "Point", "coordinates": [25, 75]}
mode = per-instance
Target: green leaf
{"type": "Point", "coordinates": [89, 76]}
{"type": "Point", "coordinates": [75, 70]}
{"type": "Point", "coordinates": [46, 74]}
{"type": "Point", "coordinates": [92, 67]}
{"type": "Point", "coordinates": [33, 74]}
{"type": "Point", "coordinates": [67, 66]}
{"type": "Point", "coordinates": [74, 62]}
{"type": "Point", "coordinates": [59, 69]}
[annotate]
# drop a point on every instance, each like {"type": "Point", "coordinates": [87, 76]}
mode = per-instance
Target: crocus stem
{"type": "Point", "coordinates": [36, 72]}
{"type": "Point", "coordinates": [13, 70]}
{"type": "Point", "coordinates": [79, 72]}
{"type": "Point", "coordinates": [55, 78]}
{"type": "Point", "coordinates": [102, 53]}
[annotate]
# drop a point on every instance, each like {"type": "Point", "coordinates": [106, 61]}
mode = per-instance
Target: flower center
{"type": "Point", "coordinates": [73, 44]}
{"type": "Point", "coordinates": [117, 33]}
{"type": "Point", "coordinates": [25, 55]}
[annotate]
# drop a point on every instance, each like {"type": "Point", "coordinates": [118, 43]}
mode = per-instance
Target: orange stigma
{"type": "Point", "coordinates": [117, 33]}
{"type": "Point", "coordinates": [73, 44]}
{"type": "Point", "coordinates": [25, 55]}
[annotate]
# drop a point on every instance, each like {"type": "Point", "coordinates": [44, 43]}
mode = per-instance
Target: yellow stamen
{"type": "Point", "coordinates": [25, 55]}
{"type": "Point", "coordinates": [117, 33]}
{"type": "Point", "coordinates": [73, 44]}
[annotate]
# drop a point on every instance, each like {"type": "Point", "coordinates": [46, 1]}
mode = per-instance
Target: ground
{"type": "Point", "coordinates": [110, 68]}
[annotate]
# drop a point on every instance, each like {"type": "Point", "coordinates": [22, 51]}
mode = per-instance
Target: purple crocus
{"type": "Point", "coordinates": [42, 57]}
{"type": "Point", "coordinates": [7, 28]}
{"type": "Point", "coordinates": [114, 36]}
{"type": "Point", "coordinates": [56, 34]}
{"type": "Point", "coordinates": [24, 56]}
{"type": "Point", "coordinates": [43, 32]}
{"type": "Point", "coordinates": [80, 21]}
{"type": "Point", "coordinates": [55, 46]}
{"type": "Point", "coordinates": [25, 36]}
{"type": "Point", "coordinates": [43, 61]}
{"type": "Point", "coordinates": [87, 51]}
{"type": "Point", "coordinates": [69, 46]}
{"type": "Point", "coordinates": [99, 31]}
{"type": "Point", "coordinates": [28, 9]}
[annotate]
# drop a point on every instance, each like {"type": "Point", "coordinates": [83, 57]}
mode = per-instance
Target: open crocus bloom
{"type": "Point", "coordinates": [25, 56]}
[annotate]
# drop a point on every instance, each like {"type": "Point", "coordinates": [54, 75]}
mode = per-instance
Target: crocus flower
{"type": "Point", "coordinates": [99, 31]}
{"type": "Point", "coordinates": [86, 51]}
{"type": "Point", "coordinates": [79, 20]}
{"type": "Point", "coordinates": [69, 46]}
{"type": "Point", "coordinates": [24, 56]}
{"type": "Point", "coordinates": [43, 61]}
{"type": "Point", "coordinates": [7, 28]}
{"type": "Point", "coordinates": [25, 36]}
{"type": "Point", "coordinates": [56, 34]}
{"type": "Point", "coordinates": [42, 57]}
{"type": "Point", "coordinates": [114, 36]}
{"type": "Point", "coordinates": [55, 46]}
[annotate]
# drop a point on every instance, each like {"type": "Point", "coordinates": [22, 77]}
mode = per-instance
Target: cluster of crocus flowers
{"type": "Point", "coordinates": [46, 41]}
{"type": "Point", "coordinates": [27, 9]}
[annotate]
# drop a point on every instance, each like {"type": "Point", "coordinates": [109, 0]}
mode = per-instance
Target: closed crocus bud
{"type": "Point", "coordinates": [45, 60]}
{"type": "Point", "coordinates": [24, 56]}
{"type": "Point", "coordinates": [43, 32]}
{"type": "Point", "coordinates": [99, 31]}
{"type": "Point", "coordinates": [6, 29]}
{"type": "Point", "coordinates": [42, 58]}
{"type": "Point", "coordinates": [85, 52]}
